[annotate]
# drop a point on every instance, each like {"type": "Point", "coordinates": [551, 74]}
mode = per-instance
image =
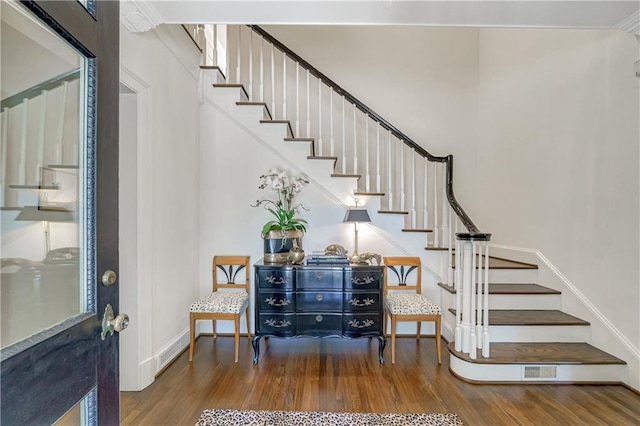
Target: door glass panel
{"type": "Point", "coordinates": [42, 191]}
{"type": "Point", "coordinates": [81, 413]}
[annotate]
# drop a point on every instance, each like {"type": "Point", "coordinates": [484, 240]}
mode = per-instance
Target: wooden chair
{"type": "Point", "coordinates": [410, 304]}
{"type": "Point", "coordinates": [223, 305]}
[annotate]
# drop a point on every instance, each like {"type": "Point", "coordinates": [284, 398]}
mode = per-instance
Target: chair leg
{"type": "Point", "coordinates": [393, 339]}
{"type": "Point", "coordinates": [236, 321]}
{"type": "Point", "coordinates": [419, 325]}
{"type": "Point", "coordinates": [213, 323]}
{"type": "Point", "coordinates": [438, 339]}
{"type": "Point", "coordinates": [248, 324]}
{"type": "Point", "coordinates": [192, 336]}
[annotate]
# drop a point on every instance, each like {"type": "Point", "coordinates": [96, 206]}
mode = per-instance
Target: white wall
{"type": "Point", "coordinates": [558, 169]}
{"type": "Point", "coordinates": [163, 64]}
{"type": "Point", "coordinates": [422, 80]}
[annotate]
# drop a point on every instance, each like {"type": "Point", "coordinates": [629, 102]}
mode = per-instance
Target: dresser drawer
{"type": "Point", "coordinates": [277, 301]}
{"type": "Point", "coordinates": [358, 324]}
{"type": "Point", "coordinates": [275, 278]}
{"type": "Point", "coordinates": [363, 278]}
{"type": "Point", "coordinates": [319, 301]}
{"type": "Point", "coordinates": [359, 302]}
{"type": "Point", "coordinates": [277, 324]}
{"type": "Point", "coordinates": [319, 324]}
{"type": "Point", "coordinates": [310, 278]}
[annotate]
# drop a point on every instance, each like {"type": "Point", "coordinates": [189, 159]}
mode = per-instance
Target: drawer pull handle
{"type": "Point", "coordinates": [272, 279]}
{"type": "Point", "coordinates": [364, 324]}
{"type": "Point", "coordinates": [365, 302]}
{"type": "Point", "coordinates": [272, 301]}
{"type": "Point", "coordinates": [319, 297]}
{"type": "Point", "coordinates": [362, 281]}
{"type": "Point", "coordinates": [319, 275]}
{"type": "Point", "coordinates": [318, 318]}
{"type": "Point", "coordinates": [277, 324]}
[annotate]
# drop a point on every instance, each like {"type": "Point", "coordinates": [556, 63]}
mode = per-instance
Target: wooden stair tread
{"type": "Point", "coordinates": [391, 212]}
{"type": "Point", "coordinates": [340, 175]}
{"type": "Point", "coordinates": [299, 139]}
{"type": "Point", "coordinates": [416, 230]}
{"type": "Point", "coordinates": [540, 353]}
{"type": "Point", "coordinates": [213, 67]}
{"type": "Point", "coordinates": [436, 248]}
{"type": "Point", "coordinates": [63, 166]}
{"type": "Point", "coordinates": [510, 289]}
{"type": "Point", "coordinates": [321, 157]}
{"type": "Point", "coordinates": [367, 194]}
{"type": "Point", "coordinates": [231, 85]}
{"type": "Point", "coordinates": [530, 317]}
{"type": "Point", "coordinates": [42, 187]}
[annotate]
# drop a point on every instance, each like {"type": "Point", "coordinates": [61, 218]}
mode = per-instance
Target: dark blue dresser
{"type": "Point", "coordinates": [318, 301]}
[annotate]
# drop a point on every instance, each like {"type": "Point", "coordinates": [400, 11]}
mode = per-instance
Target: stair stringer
{"type": "Point", "coordinates": [385, 229]}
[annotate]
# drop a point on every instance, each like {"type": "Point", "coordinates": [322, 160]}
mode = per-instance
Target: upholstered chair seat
{"type": "Point", "coordinates": [410, 304]}
{"type": "Point", "coordinates": [221, 303]}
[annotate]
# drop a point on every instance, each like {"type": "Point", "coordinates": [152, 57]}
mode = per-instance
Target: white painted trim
{"type": "Point", "coordinates": [171, 350]}
{"type": "Point", "coordinates": [587, 303]}
{"type": "Point", "coordinates": [145, 237]}
{"type": "Point", "coordinates": [137, 16]}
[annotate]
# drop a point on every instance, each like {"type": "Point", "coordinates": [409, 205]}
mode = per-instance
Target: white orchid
{"type": "Point", "coordinates": [283, 209]}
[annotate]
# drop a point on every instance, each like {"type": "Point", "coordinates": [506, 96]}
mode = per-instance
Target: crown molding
{"type": "Point", "coordinates": [631, 23]}
{"type": "Point", "coordinates": [139, 16]}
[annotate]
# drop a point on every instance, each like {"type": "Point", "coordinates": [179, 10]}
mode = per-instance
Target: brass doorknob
{"type": "Point", "coordinates": [111, 323]}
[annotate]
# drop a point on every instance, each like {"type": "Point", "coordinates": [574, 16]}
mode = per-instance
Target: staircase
{"type": "Point", "coordinates": [531, 339]}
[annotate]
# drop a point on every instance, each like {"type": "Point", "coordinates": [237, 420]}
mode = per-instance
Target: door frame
{"type": "Point", "coordinates": [46, 375]}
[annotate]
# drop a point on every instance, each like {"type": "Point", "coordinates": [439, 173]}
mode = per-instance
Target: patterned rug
{"type": "Point", "coordinates": [314, 418]}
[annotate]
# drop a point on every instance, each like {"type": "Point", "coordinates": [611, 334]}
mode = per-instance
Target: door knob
{"type": "Point", "coordinates": [111, 323]}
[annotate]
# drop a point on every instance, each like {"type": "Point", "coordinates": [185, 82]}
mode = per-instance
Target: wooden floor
{"type": "Point", "coordinates": [339, 375]}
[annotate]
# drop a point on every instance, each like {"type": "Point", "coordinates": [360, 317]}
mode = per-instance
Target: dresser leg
{"type": "Point", "coordinates": [255, 342]}
{"type": "Point", "coordinates": [382, 342]}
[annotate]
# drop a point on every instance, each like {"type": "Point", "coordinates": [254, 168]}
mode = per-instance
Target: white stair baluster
{"type": "Point", "coordinates": [436, 233]}
{"type": "Point", "coordinates": [250, 64]}
{"type": "Point", "coordinates": [214, 53]}
{"type": "Point", "coordinates": [344, 137]}
{"type": "Point", "coordinates": [284, 86]}
{"type": "Point", "coordinates": [450, 260]}
{"type": "Point", "coordinates": [355, 140]}
{"type": "Point", "coordinates": [320, 147]}
{"type": "Point", "coordinates": [22, 171]}
{"type": "Point", "coordinates": [413, 188]}
{"type": "Point", "coordinates": [238, 56]}
{"type": "Point", "coordinates": [41, 132]}
{"type": "Point", "coordinates": [473, 353]}
{"type": "Point", "coordinates": [273, 84]}
{"type": "Point", "coordinates": [5, 125]}
{"type": "Point", "coordinates": [378, 165]}
{"type": "Point", "coordinates": [389, 173]}
{"type": "Point", "coordinates": [403, 206]}
{"type": "Point", "coordinates": [485, 312]}
{"type": "Point", "coordinates": [425, 197]}
{"type": "Point", "coordinates": [59, 144]}
{"type": "Point", "coordinates": [308, 109]}
{"type": "Point", "coordinates": [366, 153]}
{"type": "Point", "coordinates": [297, 98]}
{"type": "Point", "coordinates": [479, 310]}
{"type": "Point", "coordinates": [262, 69]}
{"type": "Point", "coordinates": [445, 217]}
{"type": "Point", "coordinates": [467, 295]}
{"type": "Point", "coordinates": [333, 148]}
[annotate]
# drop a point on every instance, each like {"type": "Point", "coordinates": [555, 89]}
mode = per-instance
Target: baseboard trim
{"type": "Point", "coordinates": [478, 382]}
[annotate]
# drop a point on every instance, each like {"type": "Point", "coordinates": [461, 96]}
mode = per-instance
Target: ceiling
{"type": "Point", "coordinates": [480, 13]}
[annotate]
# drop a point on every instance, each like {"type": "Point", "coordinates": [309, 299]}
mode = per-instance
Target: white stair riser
{"type": "Point", "coordinates": [501, 276]}
{"type": "Point", "coordinates": [540, 333]}
{"type": "Point", "coordinates": [512, 301]}
{"type": "Point", "coordinates": [514, 372]}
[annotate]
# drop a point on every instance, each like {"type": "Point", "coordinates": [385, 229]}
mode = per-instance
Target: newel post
{"type": "Point", "coordinates": [472, 293]}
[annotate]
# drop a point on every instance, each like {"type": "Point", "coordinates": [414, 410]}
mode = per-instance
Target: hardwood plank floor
{"type": "Point", "coordinates": [340, 375]}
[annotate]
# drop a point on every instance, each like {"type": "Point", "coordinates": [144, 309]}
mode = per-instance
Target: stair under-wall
{"type": "Point", "coordinates": [532, 340]}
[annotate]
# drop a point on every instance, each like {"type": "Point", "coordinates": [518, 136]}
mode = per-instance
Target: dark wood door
{"type": "Point", "coordinates": [62, 365]}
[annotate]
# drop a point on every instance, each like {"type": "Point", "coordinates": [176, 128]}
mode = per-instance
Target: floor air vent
{"type": "Point", "coordinates": [540, 372]}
